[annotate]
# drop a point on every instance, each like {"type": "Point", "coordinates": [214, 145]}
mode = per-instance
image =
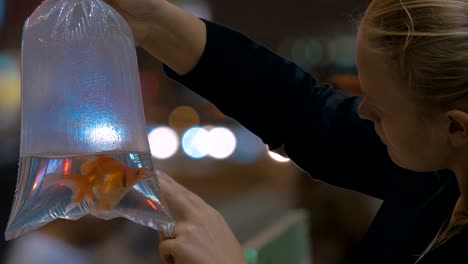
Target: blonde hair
{"type": "Point", "coordinates": [427, 42]}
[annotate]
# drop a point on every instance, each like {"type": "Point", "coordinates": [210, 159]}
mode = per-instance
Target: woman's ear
{"type": "Point", "coordinates": [458, 128]}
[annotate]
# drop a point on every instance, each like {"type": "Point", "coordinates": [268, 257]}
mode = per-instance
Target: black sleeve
{"type": "Point", "coordinates": [285, 106]}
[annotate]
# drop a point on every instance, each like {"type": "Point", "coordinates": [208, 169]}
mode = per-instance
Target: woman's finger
{"type": "Point", "coordinates": [180, 200]}
{"type": "Point", "coordinates": [167, 249]}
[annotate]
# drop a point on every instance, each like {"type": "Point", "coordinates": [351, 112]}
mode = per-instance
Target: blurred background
{"type": "Point", "coordinates": [248, 184]}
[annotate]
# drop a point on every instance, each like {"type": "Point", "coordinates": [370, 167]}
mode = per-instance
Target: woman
{"type": "Point", "coordinates": [405, 140]}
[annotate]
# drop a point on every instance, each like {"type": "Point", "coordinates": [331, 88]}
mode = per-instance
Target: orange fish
{"type": "Point", "coordinates": [104, 180]}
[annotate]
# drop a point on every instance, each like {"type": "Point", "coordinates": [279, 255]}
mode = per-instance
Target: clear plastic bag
{"type": "Point", "coordinates": [84, 144]}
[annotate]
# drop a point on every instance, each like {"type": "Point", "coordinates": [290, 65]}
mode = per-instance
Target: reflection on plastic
{"type": "Point", "coordinates": [84, 147]}
{"type": "Point", "coordinates": [105, 135]}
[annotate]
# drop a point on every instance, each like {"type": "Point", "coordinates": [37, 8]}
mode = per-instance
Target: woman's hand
{"type": "Point", "coordinates": [169, 33]}
{"type": "Point", "coordinates": [138, 14]}
{"type": "Point", "coordinates": [202, 236]}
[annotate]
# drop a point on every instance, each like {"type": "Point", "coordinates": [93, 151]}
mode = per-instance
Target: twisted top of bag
{"type": "Point", "coordinates": [76, 20]}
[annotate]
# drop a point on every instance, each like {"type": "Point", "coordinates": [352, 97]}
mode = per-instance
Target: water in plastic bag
{"type": "Point", "coordinates": [84, 145]}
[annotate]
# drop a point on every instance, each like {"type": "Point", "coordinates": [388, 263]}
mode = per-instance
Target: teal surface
{"type": "Point", "coordinates": [286, 242]}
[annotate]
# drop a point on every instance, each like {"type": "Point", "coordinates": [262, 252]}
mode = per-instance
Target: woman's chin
{"type": "Point", "coordinates": [398, 161]}
{"type": "Point", "coordinates": [392, 156]}
{"type": "Point", "coordinates": [405, 164]}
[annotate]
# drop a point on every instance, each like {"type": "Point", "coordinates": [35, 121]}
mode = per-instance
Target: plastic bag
{"type": "Point", "coordinates": [84, 144]}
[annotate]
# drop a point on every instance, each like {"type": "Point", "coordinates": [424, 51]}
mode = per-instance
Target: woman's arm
{"type": "Point", "coordinates": [318, 127]}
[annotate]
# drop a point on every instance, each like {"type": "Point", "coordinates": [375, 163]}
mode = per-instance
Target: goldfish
{"type": "Point", "coordinates": [104, 180]}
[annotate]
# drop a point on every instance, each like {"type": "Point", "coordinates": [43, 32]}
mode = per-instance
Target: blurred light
{"type": "Point", "coordinates": [163, 142]}
{"type": "Point", "coordinates": [277, 157]}
{"type": "Point", "coordinates": [305, 51]}
{"type": "Point", "coordinates": [53, 166]}
{"type": "Point", "coordinates": [314, 51]}
{"type": "Point", "coordinates": [346, 82]}
{"type": "Point", "coordinates": [184, 117]}
{"type": "Point", "coordinates": [298, 52]}
{"type": "Point", "coordinates": [342, 51]}
{"type": "Point", "coordinates": [149, 85]}
{"type": "Point", "coordinates": [2, 12]}
{"type": "Point", "coordinates": [67, 166]}
{"type": "Point", "coordinates": [38, 178]}
{"type": "Point", "coordinates": [150, 203]}
{"type": "Point", "coordinates": [196, 142]}
{"type": "Point", "coordinates": [223, 143]}
{"type": "Point", "coordinates": [10, 88]}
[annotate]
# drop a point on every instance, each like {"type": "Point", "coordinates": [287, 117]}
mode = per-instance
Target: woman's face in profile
{"type": "Point", "coordinates": [413, 141]}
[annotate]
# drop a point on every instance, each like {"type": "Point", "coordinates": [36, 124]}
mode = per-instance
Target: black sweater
{"type": "Point", "coordinates": [322, 133]}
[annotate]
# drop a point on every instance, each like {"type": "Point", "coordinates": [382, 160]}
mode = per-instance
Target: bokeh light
{"type": "Point", "coordinates": [304, 51]}
{"type": "Point", "coordinates": [313, 51]}
{"type": "Point", "coordinates": [342, 51]}
{"type": "Point", "coordinates": [184, 117]}
{"type": "Point", "coordinates": [298, 52]}
{"type": "Point", "coordinates": [223, 142]}
{"type": "Point", "coordinates": [149, 86]}
{"type": "Point", "coordinates": [10, 84]}
{"type": "Point", "coordinates": [196, 142]}
{"type": "Point", "coordinates": [164, 142]}
{"type": "Point", "coordinates": [2, 12]}
{"type": "Point", "coordinates": [277, 157]}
